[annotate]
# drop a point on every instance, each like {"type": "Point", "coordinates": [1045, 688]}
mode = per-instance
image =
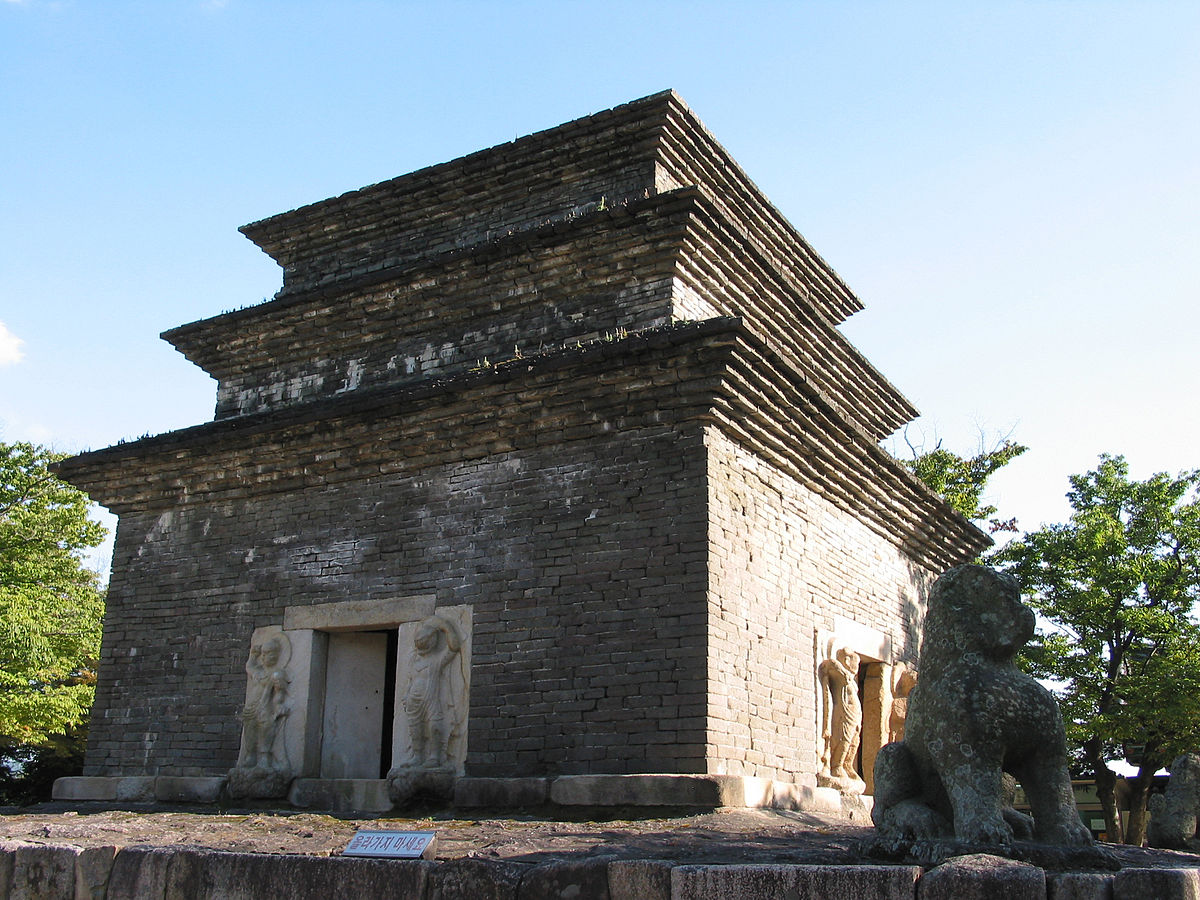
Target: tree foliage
{"type": "Point", "coordinates": [50, 604]}
{"type": "Point", "coordinates": [1116, 587]}
{"type": "Point", "coordinates": [962, 480]}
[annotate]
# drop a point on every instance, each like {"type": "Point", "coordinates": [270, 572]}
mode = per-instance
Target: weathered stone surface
{"type": "Point", "coordinates": [93, 867]}
{"type": "Point", "coordinates": [139, 873]}
{"type": "Point", "coordinates": [341, 794]}
{"type": "Point", "coordinates": [1173, 815]}
{"type": "Point", "coordinates": [31, 871]}
{"type": "Point", "coordinates": [766, 882]}
{"type": "Point", "coordinates": [43, 872]}
{"type": "Point", "coordinates": [85, 788]}
{"type": "Point", "coordinates": [972, 718]}
{"type": "Point", "coordinates": [501, 792]}
{"type": "Point", "coordinates": [359, 615]}
{"type": "Point", "coordinates": [135, 788]}
{"type": "Point", "coordinates": [8, 857]}
{"type": "Point", "coordinates": [982, 877]}
{"type": "Point", "coordinates": [637, 790]}
{"type": "Point", "coordinates": [476, 879]}
{"type": "Point", "coordinates": [188, 788]}
{"type": "Point", "coordinates": [1156, 884]}
{"type": "Point", "coordinates": [573, 880]}
{"type": "Point", "coordinates": [1078, 886]}
{"type": "Point", "coordinates": [639, 879]}
{"type": "Point", "coordinates": [204, 874]}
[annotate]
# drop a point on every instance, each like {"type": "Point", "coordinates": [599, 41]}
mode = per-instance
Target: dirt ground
{"type": "Point", "coordinates": [732, 836]}
{"type": "Point", "coordinates": [726, 836]}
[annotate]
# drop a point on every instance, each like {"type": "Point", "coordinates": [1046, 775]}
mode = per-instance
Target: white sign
{"type": "Point", "coordinates": [392, 844]}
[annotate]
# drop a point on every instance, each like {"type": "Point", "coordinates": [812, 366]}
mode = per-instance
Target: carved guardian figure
{"type": "Point", "coordinates": [428, 704]}
{"type": "Point", "coordinates": [263, 768]}
{"type": "Point", "coordinates": [841, 721]}
{"type": "Point", "coordinates": [973, 717]}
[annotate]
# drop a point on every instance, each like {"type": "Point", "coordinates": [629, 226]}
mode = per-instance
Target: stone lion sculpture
{"type": "Point", "coordinates": [973, 721]}
{"type": "Point", "coordinates": [1173, 814]}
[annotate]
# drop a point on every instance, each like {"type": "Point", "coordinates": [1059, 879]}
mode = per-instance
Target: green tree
{"type": "Point", "coordinates": [51, 605]}
{"type": "Point", "coordinates": [1115, 587]}
{"type": "Point", "coordinates": [961, 480]}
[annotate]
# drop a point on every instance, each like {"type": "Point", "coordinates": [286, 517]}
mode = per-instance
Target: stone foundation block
{"type": "Point", "coordinates": [136, 788]}
{"type": "Point", "coordinates": [30, 871]}
{"type": "Point", "coordinates": [1079, 886]}
{"type": "Point", "coordinates": [981, 876]}
{"type": "Point", "coordinates": [82, 787]}
{"type": "Point", "coordinates": [140, 873]}
{"type": "Point", "coordinates": [1157, 884]}
{"type": "Point", "coordinates": [501, 792]}
{"type": "Point", "coordinates": [341, 794]}
{"type": "Point", "coordinates": [639, 879]}
{"type": "Point", "coordinates": [129, 789]}
{"type": "Point", "coordinates": [187, 788]}
{"type": "Point", "coordinates": [476, 879]}
{"type": "Point", "coordinates": [243, 876]}
{"type": "Point", "coordinates": [766, 882]}
{"type": "Point", "coordinates": [93, 868]}
{"type": "Point", "coordinates": [708, 791]}
{"type": "Point", "coordinates": [42, 870]}
{"type": "Point", "coordinates": [8, 856]}
{"type": "Point", "coordinates": [577, 880]}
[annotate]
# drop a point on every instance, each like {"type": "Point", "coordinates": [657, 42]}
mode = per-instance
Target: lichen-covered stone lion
{"type": "Point", "coordinates": [1173, 815]}
{"type": "Point", "coordinates": [972, 718]}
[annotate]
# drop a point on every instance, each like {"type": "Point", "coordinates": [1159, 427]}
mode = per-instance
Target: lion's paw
{"type": "Point", "coordinates": [1073, 834]}
{"type": "Point", "coordinates": [1023, 826]}
{"type": "Point", "coordinates": [915, 821]}
{"type": "Point", "coordinates": [993, 831]}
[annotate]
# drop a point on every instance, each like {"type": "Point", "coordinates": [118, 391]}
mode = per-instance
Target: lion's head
{"type": "Point", "coordinates": [974, 609]}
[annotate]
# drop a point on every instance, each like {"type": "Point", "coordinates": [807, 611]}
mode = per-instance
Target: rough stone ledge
{"type": "Point", "coordinates": [140, 789]}
{"type": "Point", "coordinates": [564, 792]}
{"type": "Point", "coordinates": [51, 871]}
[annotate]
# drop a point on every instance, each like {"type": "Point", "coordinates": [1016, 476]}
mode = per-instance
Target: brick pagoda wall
{"type": "Point", "coordinates": [580, 546]}
{"type": "Point", "coordinates": [784, 561]}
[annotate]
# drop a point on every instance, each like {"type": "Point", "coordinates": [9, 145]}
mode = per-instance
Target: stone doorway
{"type": "Point", "coordinates": [874, 678]}
{"type": "Point", "coordinates": [359, 704]}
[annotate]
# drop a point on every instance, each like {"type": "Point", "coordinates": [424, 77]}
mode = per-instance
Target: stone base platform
{"type": "Point", "coordinates": [141, 789]}
{"type": "Point", "coordinates": [66, 872]}
{"type": "Point", "coordinates": [564, 791]}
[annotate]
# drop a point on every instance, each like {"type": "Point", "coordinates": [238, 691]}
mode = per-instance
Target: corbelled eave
{"type": "Point", "coordinates": [767, 407]}
{"type": "Point", "coordinates": [638, 149]}
{"type": "Point", "coordinates": [716, 261]}
{"type": "Point", "coordinates": [689, 154]}
{"type": "Point", "coordinates": [715, 372]}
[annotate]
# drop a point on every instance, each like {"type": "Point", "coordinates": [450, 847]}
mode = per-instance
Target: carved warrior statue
{"type": "Point", "coordinates": [973, 718]}
{"type": "Point", "coordinates": [841, 721]}
{"type": "Point", "coordinates": [428, 705]}
{"type": "Point", "coordinates": [263, 769]}
{"type": "Point", "coordinates": [1173, 815]}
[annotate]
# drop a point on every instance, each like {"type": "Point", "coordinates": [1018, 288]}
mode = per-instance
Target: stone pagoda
{"type": "Point", "coordinates": [546, 478]}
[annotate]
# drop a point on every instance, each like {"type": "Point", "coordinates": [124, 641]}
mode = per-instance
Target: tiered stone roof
{"type": "Point", "coordinates": [527, 287]}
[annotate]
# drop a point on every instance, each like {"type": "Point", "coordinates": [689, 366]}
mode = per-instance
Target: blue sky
{"type": "Point", "coordinates": [1013, 189]}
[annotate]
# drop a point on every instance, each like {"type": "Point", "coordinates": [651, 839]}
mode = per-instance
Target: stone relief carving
{"type": "Point", "coordinates": [1173, 815]}
{"type": "Point", "coordinates": [432, 702]}
{"type": "Point", "coordinates": [263, 768]}
{"type": "Point", "coordinates": [905, 680]}
{"type": "Point", "coordinates": [972, 718]}
{"type": "Point", "coordinates": [841, 721]}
